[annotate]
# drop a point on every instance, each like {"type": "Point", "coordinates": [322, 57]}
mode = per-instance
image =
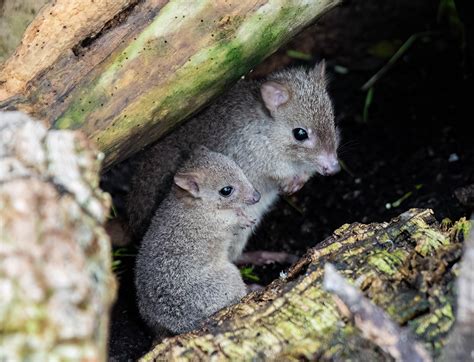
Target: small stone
{"type": "Point", "coordinates": [341, 69]}
{"type": "Point", "coordinates": [453, 157]}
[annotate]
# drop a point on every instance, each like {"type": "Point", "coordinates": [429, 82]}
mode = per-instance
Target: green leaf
{"type": "Point", "coordinates": [248, 274]}
{"type": "Point", "coordinates": [368, 101]}
{"type": "Point", "coordinates": [296, 54]}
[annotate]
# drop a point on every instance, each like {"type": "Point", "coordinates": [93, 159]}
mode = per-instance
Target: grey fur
{"type": "Point", "coordinates": [257, 137]}
{"type": "Point", "coordinates": [183, 272]}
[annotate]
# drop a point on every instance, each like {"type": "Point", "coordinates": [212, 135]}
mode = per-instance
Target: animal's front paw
{"type": "Point", "coordinates": [245, 221]}
{"type": "Point", "coordinates": [293, 184]}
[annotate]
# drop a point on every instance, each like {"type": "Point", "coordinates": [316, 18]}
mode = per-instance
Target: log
{"type": "Point", "coordinates": [372, 321]}
{"type": "Point", "coordinates": [406, 267]}
{"type": "Point", "coordinates": [460, 345]}
{"type": "Point", "coordinates": [126, 71]}
{"type": "Point", "coordinates": [56, 283]}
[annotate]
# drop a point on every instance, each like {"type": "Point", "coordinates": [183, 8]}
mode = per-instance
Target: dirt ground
{"type": "Point", "coordinates": [412, 148]}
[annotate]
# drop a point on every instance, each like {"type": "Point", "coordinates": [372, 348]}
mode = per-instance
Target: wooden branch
{"type": "Point", "coordinates": [126, 71]}
{"type": "Point", "coordinates": [56, 284]}
{"type": "Point", "coordinates": [372, 321]}
{"type": "Point", "coordinates": [460, 346]}
{"type": "Point", "coordinates": [404, 267]}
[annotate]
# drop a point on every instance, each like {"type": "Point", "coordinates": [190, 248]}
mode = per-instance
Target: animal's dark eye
{"type": "Point", "coordinates": [300, 134]}
{"type": "Point", "coordinates": [226, 191]}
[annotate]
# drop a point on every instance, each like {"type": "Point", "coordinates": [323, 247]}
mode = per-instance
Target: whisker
{"type": "Point", "coordinates": [339, 117]}
{"type": "Point", "coordinates": [349, 143]}
{"type": "Point", "coordinates": [347, 146]}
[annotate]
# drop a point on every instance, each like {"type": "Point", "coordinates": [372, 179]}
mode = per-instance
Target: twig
{"type": "Point", "coordinates": [395, 57]}
{"type": "Point", "coordinates": [368, 101]}
{"type": "Point", "coordinates": [345, 168]}
{"type": "Point", "coordinates": [295, 54]}
{"type": "Point", "coordinates": [460, 345]}
{"type": "Point", "coordinates": [372, 321]}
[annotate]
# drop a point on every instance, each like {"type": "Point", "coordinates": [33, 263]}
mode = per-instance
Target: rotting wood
{"type": "Point", "coordinates": [404, 266]}
{"type": "Point", "coordinates": [56, 283]}
{"type": "Point", "coordinates": [372, 321]}
{"type": "Point", "coordinates": [127, 71]}
{"type": "Point", "coordinates": [460, 345]}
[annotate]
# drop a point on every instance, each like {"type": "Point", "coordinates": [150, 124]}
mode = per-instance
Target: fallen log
{"type": "Point", "coordinates": [56, 283]}
{"type": "Point", "coordinates": [460, 345]}
{"type": "Point", "coordinates": [372, 321]}
{"type": "Point", "coordinates": [406, 267]}
{"type": "Point", "coordinates": [127, 71]}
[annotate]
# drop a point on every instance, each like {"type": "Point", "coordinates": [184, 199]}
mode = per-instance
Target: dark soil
{"type": "Point", "coordinates": [415, 143]}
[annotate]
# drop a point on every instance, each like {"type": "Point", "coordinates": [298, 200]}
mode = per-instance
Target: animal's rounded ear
{"type": "Point", "coordinates": [188, 181]}
{"type": "Point", "coordinates": [319, 71]}
{"type": "Point", "coordinates": [274, 95]}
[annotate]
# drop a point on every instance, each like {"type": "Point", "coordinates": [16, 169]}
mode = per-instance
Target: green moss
{"type": "Point", "coordinates": [353, 252]}
{"type": "Point", "coordinates": [446, 223]}
{"type": "Point", "coordinates": [428, 240]}
{"type": "Point", "coordinates": [331, 248]}
{"type": "Point", "coordinates": [387, 262]}
{"type": "Point", "coordinates": [341, 229]}
{"type": "Point", "coordinates": [430, 326]}
{"type": "Point", "coordinates": [85, 104]}
{"type": "Point", "coordinates": [384, 238]}
{"type": "Point", "coordinates": [404, 307]}
{"type": "Point", "coordinates": [462, 227]}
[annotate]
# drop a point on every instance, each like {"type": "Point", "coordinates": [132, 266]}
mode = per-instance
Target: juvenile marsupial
{"type": "Point", "coordinates": [183, 271]}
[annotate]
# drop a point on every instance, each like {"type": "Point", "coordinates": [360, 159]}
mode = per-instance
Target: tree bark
{"type": "Point", "coordinates": [56, 283]}
{"type": "Point", "coordinates": [126, 71]}
{"type": "Point", "coordinates": [406, 267]}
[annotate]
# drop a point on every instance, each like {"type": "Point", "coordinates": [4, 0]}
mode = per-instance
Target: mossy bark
{"type": "Point", "coordinates": [56, 283]}
{"type": "Point", "coordinates": [127, 71]}
{"type": "Point", "coordinates": [405, 266]}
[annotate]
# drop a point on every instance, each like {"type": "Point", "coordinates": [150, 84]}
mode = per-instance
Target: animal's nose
{"type": "Point", "coordinates": [255, 198]}
{"type": "Point", "coordinates": [331, 169]}
{"type": "Point", "coordinates": [330, 165]}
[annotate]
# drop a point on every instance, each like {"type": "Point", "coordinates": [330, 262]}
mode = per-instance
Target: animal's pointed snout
{"type": "Point", "coordinates": [254, 198]}
{"type": "Point", "coordinates": [329, 165]}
